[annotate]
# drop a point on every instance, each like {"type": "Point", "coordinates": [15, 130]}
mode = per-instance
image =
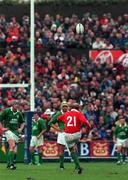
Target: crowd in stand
{"type": "Point", "coordinates": [100, 89]}
{"type": "Point", "coordinates": [59, 32]}
{"type": "Point", "coordinates": [100, 32]}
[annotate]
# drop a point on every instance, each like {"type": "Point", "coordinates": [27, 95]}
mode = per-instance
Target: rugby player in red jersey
{"type": "Point", "coordinates": [73, 121]}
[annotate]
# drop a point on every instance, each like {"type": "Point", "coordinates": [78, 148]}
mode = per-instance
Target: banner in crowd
{"type": "Point", "coordinates": [110, 56]}
{"type": "Point", "coordinates": [97, 149]}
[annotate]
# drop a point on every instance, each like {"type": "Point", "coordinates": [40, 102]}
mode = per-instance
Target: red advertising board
{"type": "Point", "coordinates": [50, 149]}
{"type": "Point", "coordinates": [110, 56]}
{"type": "Point", "coordinates": [99, 149]}
{"type": "Point", "coordinates": [93, 149]}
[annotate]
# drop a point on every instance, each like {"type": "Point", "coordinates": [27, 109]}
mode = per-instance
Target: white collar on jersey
{"type": "Point", "coordinates": [74, 110]}
{"type": "Point", "coordinates": [13, 111]}
{"type": "Point", "coordinates": [62, 112]}
{"type": "Point", "coordinates": [124, 125]}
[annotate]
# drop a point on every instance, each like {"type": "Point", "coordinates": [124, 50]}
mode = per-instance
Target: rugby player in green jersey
{"type": "Point", "coordinates": [12, 124]}
{"type": "Point", "coordinates": [59, 128]}
{"type": "Point", "coordinates": [121, 138]}
{"type": "Point", "coordinates": [37, 140]}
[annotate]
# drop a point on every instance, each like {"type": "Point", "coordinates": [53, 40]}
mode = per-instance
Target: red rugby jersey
{"type": "Point", "coordinates": [73, 120]}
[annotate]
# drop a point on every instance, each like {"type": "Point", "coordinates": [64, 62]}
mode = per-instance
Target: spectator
{"type": "Point", "coordinates": [98, 44]}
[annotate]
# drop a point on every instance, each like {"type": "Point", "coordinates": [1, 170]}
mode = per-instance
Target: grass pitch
{"type": "Point", "coordinates": [50, 171]}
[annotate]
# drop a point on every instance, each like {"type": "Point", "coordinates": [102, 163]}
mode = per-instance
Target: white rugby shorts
{"type": "Point", "coordinates": [72, 139]}
{"type": "Point", "coordinates": [10, 135]}
{"type": "Point", "coordinates": [61, 138]}
{"type": "Point", "coordinates": [122, 142]}
{"type": "Point", "coordinates": [35, 142]}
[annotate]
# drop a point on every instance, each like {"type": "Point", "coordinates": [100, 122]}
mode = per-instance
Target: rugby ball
{"type": "Point", "coordinates": [79, 28]}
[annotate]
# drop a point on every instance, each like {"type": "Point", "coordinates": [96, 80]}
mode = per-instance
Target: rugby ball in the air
{"type": "Point", "coordinates": [79, 28]}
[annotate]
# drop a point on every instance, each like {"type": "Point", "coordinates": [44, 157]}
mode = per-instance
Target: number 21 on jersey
{"type": "Point", "coordinates": [71, 121]}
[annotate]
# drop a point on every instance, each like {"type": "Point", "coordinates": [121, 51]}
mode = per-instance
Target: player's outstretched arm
{"type": "Point", "coordinates": [41, 133]}
{"type": "Point", "coordinates": [56, 128]}
{"type": "Point", "coordinates": [54, 120]}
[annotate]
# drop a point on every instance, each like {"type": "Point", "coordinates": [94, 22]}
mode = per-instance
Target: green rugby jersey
{"type": "Point", "coordinates": [121, 132]}
{"type": "Point", "coordinates": [11, 120]}
{"type": "Point", "coordinates": [38, 126]}
{"type": "Point", "coordinates": [54, 120]}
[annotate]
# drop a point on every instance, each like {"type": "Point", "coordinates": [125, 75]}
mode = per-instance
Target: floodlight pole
{"type": "Point", "coordinates": [32, 56]}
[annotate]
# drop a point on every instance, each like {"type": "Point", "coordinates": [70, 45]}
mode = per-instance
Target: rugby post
{"type": "Point", "coordinates": [32, 56]}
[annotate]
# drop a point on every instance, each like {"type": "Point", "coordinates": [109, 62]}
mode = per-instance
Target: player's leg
{"type": "Point", "coordinates": [61, 155]}
{"type": "Point", "coordinates": [32, 154]}
{"type": "Point", "coordinates": [119, 148]}
{"type": "Point", "coordinates": [36, 150]}
{"type": "Point", "coordinates": [36, 156]}
{"type": "Point", "coordinates": [124, 154]}
{"type": "Point", "coordinates": [40, 154]}
{"type": "Point", "coordinates": [124, 150]}
{"type": "Point", "coordinates": [71, 140]}
{"type": "Point", "coordinates": [11, 140]}
{"type": "Point", "coordinates": [21, 137]}
{"type": "Point", "coordinates": [75, 158]}
{"type": "Point", "coordinates": [10, 154]}
{"type": "Point", "coordinates": [61, 146]}
{"type": "Point", "coordinates": [39, 145]}
{"type": "Point", "coordinates": [32, 150]}
{"type": "Point", "coordinates": [15, 153]}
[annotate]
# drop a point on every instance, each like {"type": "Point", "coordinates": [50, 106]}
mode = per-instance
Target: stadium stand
{"type": "Point", "coordinates": [101, 89]}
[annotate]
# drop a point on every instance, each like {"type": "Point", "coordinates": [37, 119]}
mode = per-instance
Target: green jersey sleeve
{"type": "Point", "coordinates": [42, 124]}
{"type": "Point", "coordinates": [3, 115]}
{"type": "Point", "coordinates": [54, 118]}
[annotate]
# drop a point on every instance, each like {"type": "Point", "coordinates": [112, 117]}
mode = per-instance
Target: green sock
{"type": "Point", "coordinates": [123, 157]}
{"type": "Point", "coordinates": [15, 155]}
{"type": "Point", "coordinates": [10, 158]}
{"type": "Point", "coordinates": [40, 157]}
{"type": "Point", "coordinates": [75, 159]}
{"type": "Point", "coordinates": [36, 157]}
{"type": "Point", "coordinates": [32, 158]}
{"type": "Point", "coordinates": [118, 156]}
{"type": "Point", "coordinates": [61, 160]}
